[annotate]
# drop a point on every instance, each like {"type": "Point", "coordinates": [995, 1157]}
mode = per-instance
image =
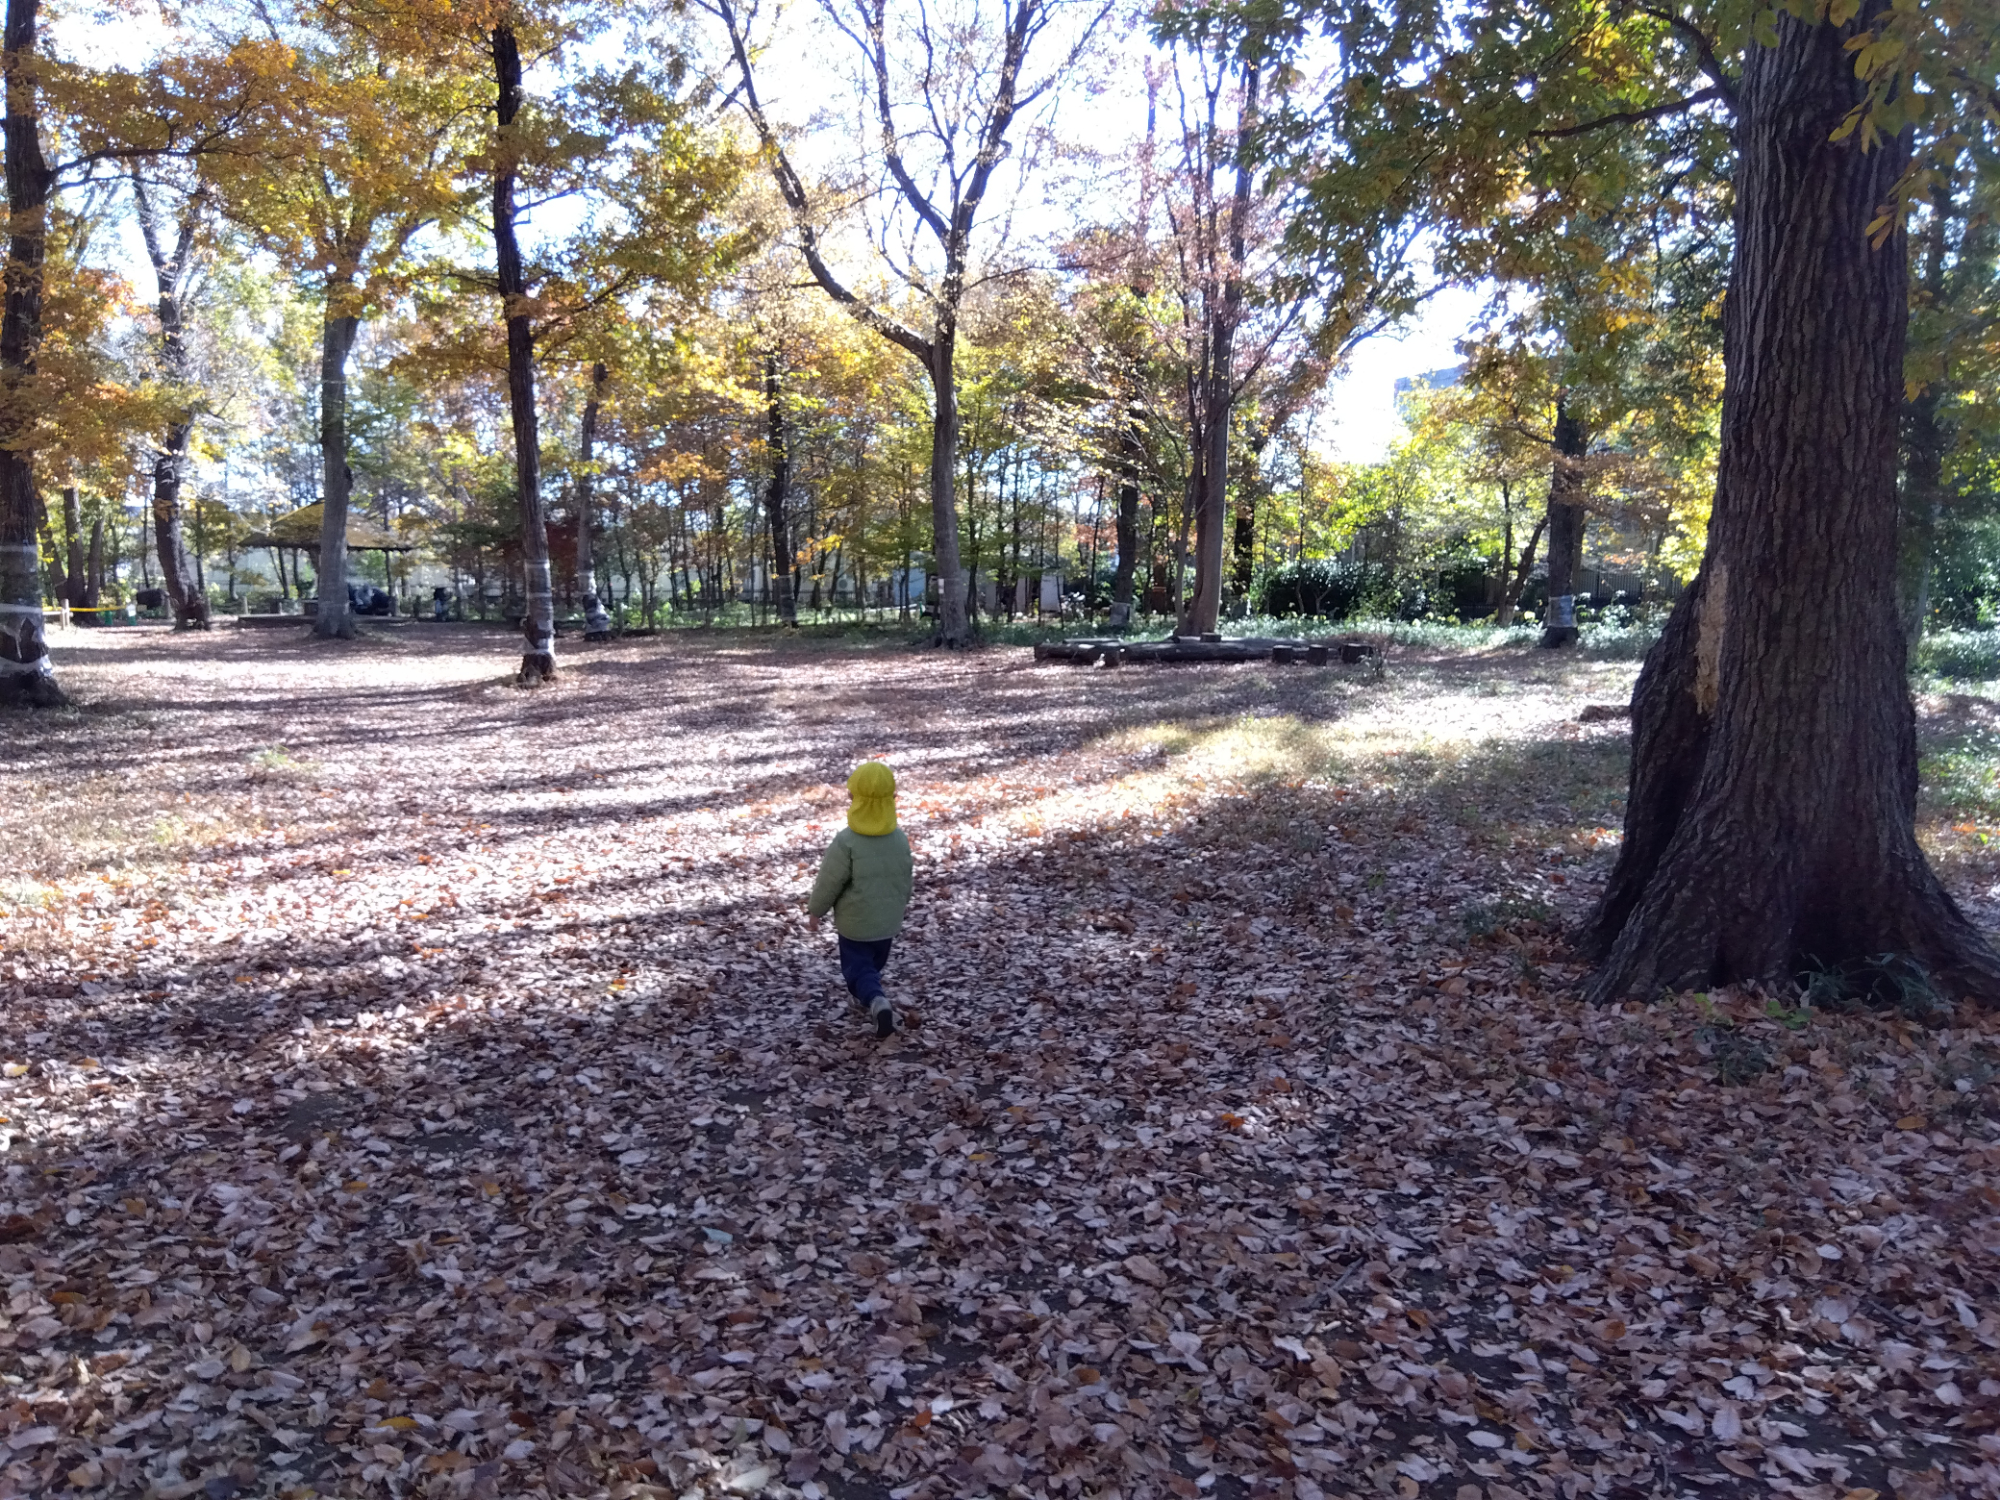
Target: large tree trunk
{"type": "Point", "coordinates": [1566, 520]}
{"type": "Point", "coordinates": [26, 676]}
{"type": "Point", "coordinates": [169, 538]}
{"type": "Point", "coordinates": [331, 617]}
{"type": "Point", "coordinates": [596, 619]}
{"type": "Point", "coordinates": [779, 490]}
{"type": "Point", "coordinates": [1204, 607]}
{"type": "Point", "coordinates": [538, 662]}
{"type": "Point", "coordinates": [1770, 823]}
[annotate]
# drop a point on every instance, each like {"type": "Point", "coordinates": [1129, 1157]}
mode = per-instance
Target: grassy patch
{"type": "Point", "coordinates": [1961, 779]}
{"type": "Point", "coordinates": [1958, 656]}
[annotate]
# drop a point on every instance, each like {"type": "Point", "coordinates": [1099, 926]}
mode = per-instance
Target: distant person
{"type": "Point", "coordinates": [440, 604]}
{"type": "Point", "coordinates": [865, 879]}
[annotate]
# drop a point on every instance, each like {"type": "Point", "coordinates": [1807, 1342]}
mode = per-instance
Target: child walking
{"type": "Point", "coordinates": [865, 878]}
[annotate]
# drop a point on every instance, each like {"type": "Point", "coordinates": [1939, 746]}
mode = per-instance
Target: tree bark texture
{"type": "Point", "coordinates": [596, 619]}
{"type": "Point", "coordinates": [93, 588]}
{"type": "Point", "coordinates": [26, 675]}
{"type": "Point", "coordinates": [538, 661]}
{"type": "Point", "coordinates": [331, 617]}
{"type": "Point", "coordinates": [1770, 826]}
{"type": "Point", "coordinates": [1566, 520]}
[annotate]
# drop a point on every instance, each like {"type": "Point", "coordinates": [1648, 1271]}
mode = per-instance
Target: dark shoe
{"type": "Point", "coordinates": [884, 1014]}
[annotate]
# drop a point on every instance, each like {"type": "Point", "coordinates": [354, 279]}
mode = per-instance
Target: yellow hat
{"type": "Point", "coordinates": [873, 788]}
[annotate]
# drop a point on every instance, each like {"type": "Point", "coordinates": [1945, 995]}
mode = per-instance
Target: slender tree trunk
{"type": "Point", "coordinates": [170, 269]}
{"type": "Point", "coordinates": [952, 627]}
{"type": "Point", "coordinates": [538, 623]}
{"type": "Point", "coordinates": [26, 676]}
{"type": "Point", "coordinates": [1921, 506]}
{"type": "Point", "coordinates": [332, 619]}
{"type": "Point", "coordinates": [1189, 504]}
{"type": "Point", "coordinates": [1517, 583]}
{"type": "Point", "coordinates": [1924, 440]}
{"type": "Point", "coordinates": [74, 584]}
{"type": "Point", "coordinates": [1770, 823]}
{"type": "Point", "coordinates": [1224, 299]}
{"type": "Point", "coordinates": [169, 539]}
{"type": "Point", "coordinates": [93, 588]}
{"type": "Point", "coordinates": [1243, 541]}
{"type": "Point", "coordinates": [1128, 533]}
{"type": "Point", "coordinates": [1566, 519]}
{"type": "Point", "coordinates": [718, 541]}
{"type": "Point", "coordinates": [972, 537]}
{"type": "Point", "coordinates": [779, 490]}
{"type": "Point", "coordinates": [1243, 538]}
{"type": "Point", "coordinates": [596, 621]}
{"type": "Point", "coordinates": [1204, 609]}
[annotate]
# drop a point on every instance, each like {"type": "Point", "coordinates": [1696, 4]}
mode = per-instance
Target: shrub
{"type": "Point", "coordinates": [1323, 587]}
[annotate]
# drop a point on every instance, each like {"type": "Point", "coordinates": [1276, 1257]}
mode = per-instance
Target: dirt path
{"type": "Point", "coordinates": [448, 1100]}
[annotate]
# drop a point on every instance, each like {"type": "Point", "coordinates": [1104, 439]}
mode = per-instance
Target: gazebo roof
{"type": "Point", "coordinates": [302, 528]}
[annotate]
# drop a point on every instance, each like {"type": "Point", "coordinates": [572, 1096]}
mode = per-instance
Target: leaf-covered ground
{"type": "Point", "coordinates": [419, 1086]}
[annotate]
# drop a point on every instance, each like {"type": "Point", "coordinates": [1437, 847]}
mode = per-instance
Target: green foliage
{"type": "Point", "coordinates": [1325, 588]}
{"type": "Point", "coordinates": [1958, 655]}
{"type": "Point", "coordinates": [1506, 914]}
{"type": "Point", "coordinates": [1886, 981]}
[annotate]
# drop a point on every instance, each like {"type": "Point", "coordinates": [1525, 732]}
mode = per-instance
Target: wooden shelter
{"type": "Point", "coordinates": [301, 528]}
{"type": "Point", "coordinates": [299, 531]}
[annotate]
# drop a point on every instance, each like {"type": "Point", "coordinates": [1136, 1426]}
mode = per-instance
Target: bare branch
{"type": "Point", "coordinates": [1635, 116]}
{"type": "Point", "coordinates": [793, 191]}
{"type": "Point", "coordinates": [1704, 51]}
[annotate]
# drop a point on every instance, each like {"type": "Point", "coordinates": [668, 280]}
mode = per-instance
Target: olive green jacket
{"type": "Point", "coordinates": [865, 882]}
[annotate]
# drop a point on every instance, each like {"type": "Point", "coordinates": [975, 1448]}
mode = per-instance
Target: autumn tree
{"type": "Point", "coordinates": [1610, 247]}
{"type": "Point", "coordinates": [26, 675]}
{"type": "Point", "coordinates": [941, 94]}
{"type": "Point", "coordinates": [1282, 262]}
{"type": "Point", "coordinates": [92, 414]}
{"type": "Point", "coordinates": [172, 217]}
{"type": "Point", "coordinates": [1770, 823]}
{"type": "Point", "coordinates": [365, 150]}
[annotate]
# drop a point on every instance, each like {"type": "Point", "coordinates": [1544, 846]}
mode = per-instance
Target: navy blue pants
{"type": "Point", "coordinates": [861, 965]}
